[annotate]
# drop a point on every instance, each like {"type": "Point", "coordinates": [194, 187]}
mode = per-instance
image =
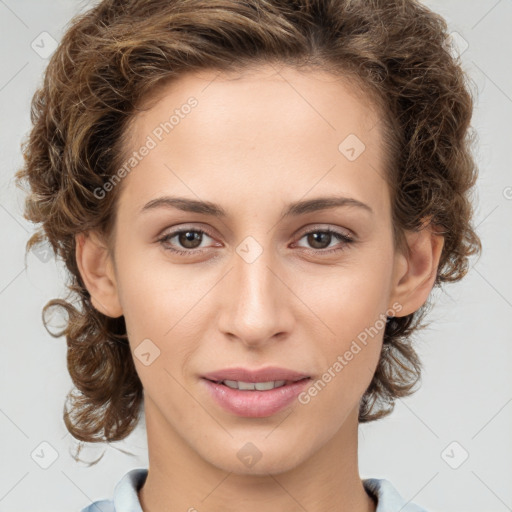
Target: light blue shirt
{"type": "Point", "coordinates": [125, 497]}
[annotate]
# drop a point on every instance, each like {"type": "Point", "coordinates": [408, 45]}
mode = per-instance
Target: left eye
{"type": "Point", "coordinates": [319, 237]}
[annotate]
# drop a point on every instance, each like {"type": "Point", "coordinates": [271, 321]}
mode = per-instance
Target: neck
{"type": "Point", "coordinates": [179, 479]}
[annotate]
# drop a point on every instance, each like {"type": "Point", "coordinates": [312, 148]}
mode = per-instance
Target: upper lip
{"type": "Point", "coordinates": [273, 373]}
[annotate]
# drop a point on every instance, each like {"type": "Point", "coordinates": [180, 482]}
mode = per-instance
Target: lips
{"type": "Point", "coordinates": [242, 392]}
{"type": "Point", "coordinates": [268, 374]}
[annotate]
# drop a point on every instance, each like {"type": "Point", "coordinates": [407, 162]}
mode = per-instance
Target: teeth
{"type": "Point", "coordinates": [258, 386]}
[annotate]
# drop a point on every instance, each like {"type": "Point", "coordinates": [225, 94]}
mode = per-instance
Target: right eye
{"type": "Point", "coordinates": [188, 238]}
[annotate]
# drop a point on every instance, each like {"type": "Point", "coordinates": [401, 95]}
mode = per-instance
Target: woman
{"type": "Point", "coordinates": [254, 201]}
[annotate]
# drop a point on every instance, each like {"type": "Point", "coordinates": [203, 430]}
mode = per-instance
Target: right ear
{"type": "Point", "coordinates": [97, 271]}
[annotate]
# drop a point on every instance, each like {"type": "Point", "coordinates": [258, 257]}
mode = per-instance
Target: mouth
{"type": "Point", "coordinates": [256, 386]}
{"type": "Point", "coordinates": [244, 378]}
{"type": "Point", "coordinates": [255, 393]}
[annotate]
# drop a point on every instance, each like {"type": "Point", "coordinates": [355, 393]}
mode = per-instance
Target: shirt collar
{"type": "Point", "coordinates": [125, 492]}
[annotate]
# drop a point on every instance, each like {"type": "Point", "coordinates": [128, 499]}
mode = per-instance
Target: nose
{"type": "Point", "coordinates": [257, 303]}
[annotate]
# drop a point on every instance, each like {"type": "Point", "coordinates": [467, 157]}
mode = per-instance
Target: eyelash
{"type": "Point", "coordinates": [346, 239]}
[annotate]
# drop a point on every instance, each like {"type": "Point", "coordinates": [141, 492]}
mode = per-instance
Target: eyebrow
{"type": "Point", "coordinates": [292, 210]}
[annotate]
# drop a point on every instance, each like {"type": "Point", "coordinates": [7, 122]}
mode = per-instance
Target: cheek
{"type": "Point", "coordinates": [351, 309]}
{"type": "Point", "coordinates": [160, 305]}
{"type": "Point", "coordinates": [349, 357]}
{"type": "Point", "coordinates": [149, 288]}
{"type": "Point", "coordinates": [348, 299]}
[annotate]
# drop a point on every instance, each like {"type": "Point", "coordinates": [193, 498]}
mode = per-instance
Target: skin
{"type": "Point", "coordinates": [256, 142]}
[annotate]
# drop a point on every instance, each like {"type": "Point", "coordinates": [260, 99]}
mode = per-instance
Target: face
{"type": "Point", "coordinates": [277, 280]}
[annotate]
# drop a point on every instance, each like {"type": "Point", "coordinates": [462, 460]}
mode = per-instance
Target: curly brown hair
{"type": "Point", "coordinates": [114, 56]}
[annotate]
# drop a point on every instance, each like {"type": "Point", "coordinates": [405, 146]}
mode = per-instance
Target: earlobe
{"type": "Point", "coordinates": [415, 272]}
{"type": "Point", "coordinates": [96, 269]}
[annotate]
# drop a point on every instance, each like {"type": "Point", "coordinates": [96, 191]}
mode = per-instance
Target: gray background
{"type": "Point", "coordinates": [466, 396]}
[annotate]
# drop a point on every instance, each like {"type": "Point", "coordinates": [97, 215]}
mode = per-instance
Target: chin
{"type": "Point", "coordinates": [257, 456]}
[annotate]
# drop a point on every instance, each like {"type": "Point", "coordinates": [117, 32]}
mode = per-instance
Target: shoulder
{"type": "Point", "coordinates": [387, 497]}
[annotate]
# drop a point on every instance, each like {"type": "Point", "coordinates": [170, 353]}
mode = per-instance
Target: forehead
{"type": "Point", "coordinates": [264, 92]}
{"type": "Point", "coordinates": [270, 128]}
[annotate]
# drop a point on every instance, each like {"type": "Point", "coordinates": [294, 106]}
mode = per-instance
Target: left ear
{"type": "Point", "coordinates": [415, 273]}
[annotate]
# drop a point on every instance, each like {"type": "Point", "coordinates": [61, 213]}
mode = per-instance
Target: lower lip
{"type": "Point", "coordinates": [255, 404]}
